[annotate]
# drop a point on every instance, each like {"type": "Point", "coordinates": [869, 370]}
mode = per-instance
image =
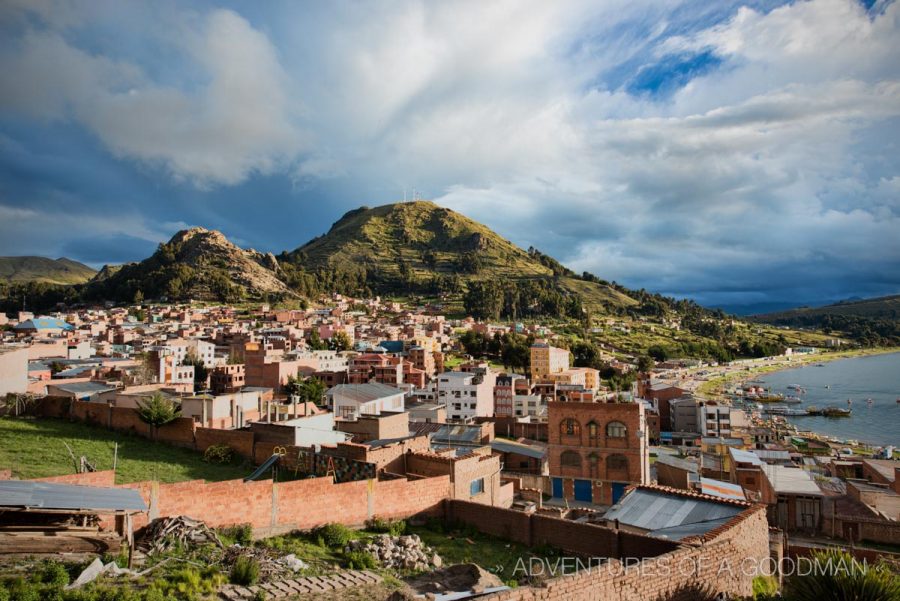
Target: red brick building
{"type": "Point", "coordinates": [227, 378]}
{"type": "Point", "coordinates": [596, 450]}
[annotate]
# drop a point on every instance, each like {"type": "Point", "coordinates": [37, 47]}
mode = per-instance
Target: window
{"type": "Point", "coordinates": [476, 487]}
{"type": "Point", "coordinates": [593, 461]}
{"type": "Point", "coordinates": [617, 463]}
{"type": "Point", "coordinates": [593, 432]}
{"type": "Point", "coordinates": [569, 427]}
{"type": "Point", "coordinates": [616, 430]}
{"type": "Point", "coordinates": [570, 459]}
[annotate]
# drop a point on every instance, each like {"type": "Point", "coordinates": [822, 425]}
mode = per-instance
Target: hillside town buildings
{"type": "Point", "coordinates": [404, 402]}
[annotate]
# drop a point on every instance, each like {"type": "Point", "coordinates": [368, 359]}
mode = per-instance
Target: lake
{"type": "Point", "coordinates": [876, 377]}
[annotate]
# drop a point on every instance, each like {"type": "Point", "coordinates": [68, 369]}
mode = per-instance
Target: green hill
{"type": "Point", "coordinates": [873, 321]}
{"type": "Point", "coordinates": [196, 263]}
{"type": "Point", "coordinates": [41, 269]}
{"type": "Point", "coordinates": [420, 247]}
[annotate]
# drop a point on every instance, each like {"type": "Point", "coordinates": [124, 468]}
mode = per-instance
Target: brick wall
{"type": "Point", "coordinates": [299, 504]}
{"type": "Point", "coordinates": [583, 539]}
{"type": "Point", "coordinates": [241, 441]}
{"type": "Point", "coordinates": [102, 478]}
{"type": "Point", "coordinates": [720, 561]}
{"type": "Point", "coordinates": [5, 474]}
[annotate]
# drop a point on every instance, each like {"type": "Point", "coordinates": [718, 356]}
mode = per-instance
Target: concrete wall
{"type": "Point", "coordinates": [13, 370]}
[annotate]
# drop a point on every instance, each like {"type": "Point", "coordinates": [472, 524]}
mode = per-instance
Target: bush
{"type": "Point", "coordinates": [392, 527]}
{"type": "Point", "coordinates": [335, 536]}
{"type": "Point", "coordinates": [188, 584]}
{"type": "Point", "coordinates": [360, 560]}
{"type": "Point", "coordinates": [218, 453]}
{"type": "Point", "coordinates": [245, 571]}
{"type": "Point", "coordinates": [764, 587]}
{"type": "Point", "coordinates": [836, 576]}
{"type": "Point", "coordinates": [241, 534]}
{"type": "Point", "coordinates": [53, 573]}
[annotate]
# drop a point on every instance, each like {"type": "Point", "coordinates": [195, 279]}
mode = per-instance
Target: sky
{"type": "Point", "coordinates": [736, 153]}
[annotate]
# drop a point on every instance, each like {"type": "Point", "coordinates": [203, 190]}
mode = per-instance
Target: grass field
{"type": "Point", "coordinates": [35, 449]}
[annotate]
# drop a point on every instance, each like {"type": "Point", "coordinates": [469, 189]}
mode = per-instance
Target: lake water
{"type": "Point", "coordinates": [876, 377]}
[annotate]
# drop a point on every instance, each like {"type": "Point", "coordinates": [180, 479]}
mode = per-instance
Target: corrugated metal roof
{"type": "Point", "coordinates": [507, 446]}
{"type": "Point", "coordinates": [670, 516]}
{"type": "Point", "coordinates": [49, 495]}
{"type": "Point", "coordinates": [677, 462]}
{"type": "Point", "coordinates": [791, 480]}
{"type": "Point", "coordinates": [44, 323]}
{"type": "Point", "coordinates": [363, 393]}
{"type": "Point", "coordinates": [741, 456]}
{"type": "Point", "coordinates": [725, 490]}
{"type": "Point", "coordinates": [81, 387]}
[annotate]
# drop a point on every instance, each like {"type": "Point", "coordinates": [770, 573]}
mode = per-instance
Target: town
{"type": "Point", "coordinates": [403, 430]}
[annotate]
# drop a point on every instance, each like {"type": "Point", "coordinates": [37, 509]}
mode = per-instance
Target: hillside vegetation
{"type": "Point", "coordinates": [426, 253]}
{"type": "Point", "coordinates": [41, 269]}
{"type": "Point", "coordinates": [873, 321]}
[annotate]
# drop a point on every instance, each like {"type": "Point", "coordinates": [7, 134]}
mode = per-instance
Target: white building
{"type": "Point", "coordinates": [529, 405]}
{"type": "Point", "coordinates": [466, 395]}
{"type": "Point", "coordinates": [349, 401]}
{"type": "Point", "coordinates": [201, 348]}
{"type": "Point", "coordinates": [714, 419]}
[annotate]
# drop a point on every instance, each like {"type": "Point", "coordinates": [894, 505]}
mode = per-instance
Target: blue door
{"type": "Point", "coordinates": [618, 488]}
{"type": "Point", "coordinates": [583, 491]}
{"type": "Point", "coordinates": [557, 488]}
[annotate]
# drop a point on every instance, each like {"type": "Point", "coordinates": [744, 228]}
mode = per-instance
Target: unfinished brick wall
{"type": "Point", "coordinates": [179, 432]}
{"type": "Point", "coordinates": [726, 560]}
{"type": "Point", "coordinates": [587, 540]}
{"type": "Point", "coordinates": [102, 478]}
{"type": "Point", "coordinates": [302, 504]}
{"type": "Point", "coordinates": [241, 441]}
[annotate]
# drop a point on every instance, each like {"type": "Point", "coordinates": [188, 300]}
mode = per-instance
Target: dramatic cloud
{"type": "Point", "coordinates": [726, 151]}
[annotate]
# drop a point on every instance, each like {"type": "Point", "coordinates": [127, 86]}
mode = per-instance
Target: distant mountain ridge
{"type": "Point", "coordinates": [871, 321]}
{"type": "Point", "coordinates": [42, 269]}
{"type": "Point", "coordinates": [883, 307]}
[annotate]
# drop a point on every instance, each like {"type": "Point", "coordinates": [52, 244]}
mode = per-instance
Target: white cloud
{"type": "Point", "coordinates": [240, 120]}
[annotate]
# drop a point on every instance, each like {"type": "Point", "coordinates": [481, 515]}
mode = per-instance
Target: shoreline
{"type": "Point", "coordinates": [716, 388]}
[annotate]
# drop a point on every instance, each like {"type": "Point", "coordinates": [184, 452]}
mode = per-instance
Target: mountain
{"type": "Point", "coordinates": [196, 263]}
{"type": "Point", "coordinates": [422, 247]}
{"type": "Point", "coordinates": [41, 269]}
{"type": "Point", "coordinates": [884, 307]}
{"type": "Point", "coordinates": [872, 321]}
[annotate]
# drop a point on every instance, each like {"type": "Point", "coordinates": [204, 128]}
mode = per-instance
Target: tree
{"type": "Point", "coordinates": [312, 390]}
{"type": "Point", "coordinates": [291, 386]}
{"type": "Point", "coordinates": [201, 374]}
{"type": "Point", "coordinates": [586, 354]}
{"type": "Point", "coordinates": [645, 363]}
{"type": "Point", "coordinates": [158, 410]}
{"type": "Point", "coordinates": [314, 342]}
{"type": "Point", "coordinates": [340, 342]}
{"type": "Point", "coordinates": [138, 297]}
{"type": "Point", "coordinates": [146, 371]}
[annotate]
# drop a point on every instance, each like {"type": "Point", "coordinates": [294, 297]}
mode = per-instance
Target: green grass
{"type": "Point", "coordinates": [467, 545]}
{"type": "Point", "coordinates": [35, 448]}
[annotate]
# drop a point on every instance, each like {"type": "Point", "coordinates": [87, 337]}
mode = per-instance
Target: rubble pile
{"type": "Point", "coordinates": [164, 533]}
{"type": "Point", "coordinates": [401, 552]}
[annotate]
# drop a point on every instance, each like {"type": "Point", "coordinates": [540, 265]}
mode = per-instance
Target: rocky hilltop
{"type": "Point", "coordinates": [196, 263]}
